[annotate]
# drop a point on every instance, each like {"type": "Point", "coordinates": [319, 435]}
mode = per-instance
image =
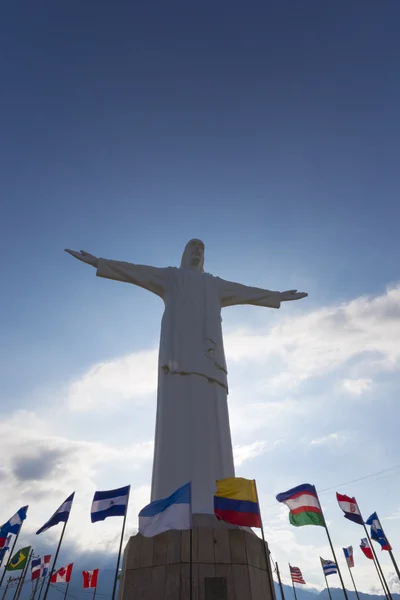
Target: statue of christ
{"type": "Point", "coordinates": [192, 438]}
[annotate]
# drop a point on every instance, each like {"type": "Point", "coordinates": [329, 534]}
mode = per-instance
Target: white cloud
{"type": "Point", "coordinates": [317, 343]}
{"type": "Point", "coordinates": [331, 438]}
{"type": "Point", "coordinates": [107, 385]}
{"type": "Point", "coordinates": [357, 386]}
{"type": "Point", "coordinates": [249, 451]}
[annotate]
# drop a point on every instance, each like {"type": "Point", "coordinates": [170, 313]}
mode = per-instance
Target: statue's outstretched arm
{"type": "Point", "coordinates": [232, 293]}
{"type": "Point", "coordinates": [149, 278]}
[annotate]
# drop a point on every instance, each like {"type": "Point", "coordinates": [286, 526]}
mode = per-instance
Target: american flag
{"type": "Point", "coordinates": [297, 577]}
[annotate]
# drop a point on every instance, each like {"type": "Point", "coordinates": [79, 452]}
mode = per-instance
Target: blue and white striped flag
{"type": "Point", "coordinates": [111, 503]}
{"type": "Point", "coordinates": [329, 567]}
{"type": "Point", "coordinates": [60, 516]}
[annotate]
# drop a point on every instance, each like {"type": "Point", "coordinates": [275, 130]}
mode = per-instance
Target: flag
{"type": "Point", "coordinates": [328, 566]}
{"type": "Point", "coordinates": [296, 575]}
{"type": "Point", "coordinates": [348, 554]}
{"type": "Point", "coordinates": [18, 561]}
{"type": "Point", "coordinates": [90, 578]}
{"type": "Point", "coordinates": [13, 525]}
{"type": "Point", "coordinates": [5, 548]}
{"type": "Point", "coordinates": [235, 501]}
{"type": "Point", "coordinates": [365, 547]}
{"type": "Point", "coordinates": [3, 541]}
{"type": "Point", "coordinates": [60, 516]}
{"type": "Point", "coordinates": [112, 503]}
{"type": "Point", "coordinates": [174, 512]}
{"type": "Point", "coordinates": [40, 566]}
{"type": "Point", "coordinates": [377, 532]}
{"type": "Point", "coordinates": [63, 575]}
{"type": "Point", "coordinates": [350, 508]}
{"type": "Point", "coordinates": [304, 505]}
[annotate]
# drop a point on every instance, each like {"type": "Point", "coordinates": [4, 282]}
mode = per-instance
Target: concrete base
{"type": "Point", "coordinates": [228, 564]}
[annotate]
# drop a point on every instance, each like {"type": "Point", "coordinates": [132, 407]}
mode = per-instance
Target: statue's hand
{"type": "Point", "coordinates": [292, 295]}
{"type": "Point", "coordinates": [84, 257]}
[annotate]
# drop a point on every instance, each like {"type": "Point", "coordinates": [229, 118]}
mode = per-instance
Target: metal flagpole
{"type": "Point", "coordinates": [377, 565]}
{"type": "Point", "coordinates": [191, 547]}
{"type": "Point", "coordinates": [66, 591]}
{"type": "Point", "coordinates": [22, 579]}
{"type": "Point", "coordinates": [35, 589]}
{"type": "Point", "coordinates": [294, 589]}
{"type": "Point", "coordinates": [10, 555]}
{"type": "Point", "coordinates": [393, 560]}
{"type": "Point", "coordinates": [120, 548]}
{"type": "Point", "coordinates": [396, 568]}
{"type": "Point", "coordinates": [354, 584]}
{"type": "Point", "coordinates": [279, 580]}
{"type": "Point", "coordinates": [94, 593]}
{"type": "Point", "coordinates": [41, 587]}
{"type": "Point", "coordinates": [5, 591]}
{"type": "Point", "coordinates": [327, 585]}
{"type": "Point", "coordinates": [267, 561]}
{"type": "Point", "coordinates": [333, 550]}
{"type": "Point", "coordinates": [191, 563]}
{"type": "Point", "coordinates": [54, 561]}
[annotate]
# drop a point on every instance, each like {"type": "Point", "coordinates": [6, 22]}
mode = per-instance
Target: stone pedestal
{"type": "Point", "coordinates": [228, 564]}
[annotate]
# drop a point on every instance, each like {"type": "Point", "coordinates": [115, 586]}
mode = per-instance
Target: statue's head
{"type": "Point", "coordinates": [193, 256]}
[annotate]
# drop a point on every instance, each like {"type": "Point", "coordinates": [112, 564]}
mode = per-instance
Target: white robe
{"type": "Point", "coordinates": [193, 441]}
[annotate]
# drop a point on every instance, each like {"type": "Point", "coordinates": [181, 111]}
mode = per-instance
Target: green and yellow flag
{"type": "Point", "coordinates": [18, 561]}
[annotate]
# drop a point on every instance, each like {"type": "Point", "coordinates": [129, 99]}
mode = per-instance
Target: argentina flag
{"type": "Point", "coordinates": [112, 503]}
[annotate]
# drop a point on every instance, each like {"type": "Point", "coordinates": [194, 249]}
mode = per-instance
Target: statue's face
{"type": "Point", "coordinates": [196, 252]}
{"type": "Point", "coordinates": [193, 256]}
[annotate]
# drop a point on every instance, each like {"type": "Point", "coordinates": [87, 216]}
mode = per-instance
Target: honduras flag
{"type": "Point", "coordinates": [112, 503]}
{"type": "Point", "coordinates": [60, 516]}
{"type": "Point", "coordinates": [174, 512]}
{"type": "Point", "coordinates": [13, 525]}
{"type": "Point", "coordinates": [377, 532]}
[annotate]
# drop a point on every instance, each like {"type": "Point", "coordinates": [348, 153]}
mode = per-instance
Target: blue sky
{"type": "Point", "coordinates": [271, 132]}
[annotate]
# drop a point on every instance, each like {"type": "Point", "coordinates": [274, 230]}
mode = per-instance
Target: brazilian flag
{"type": "Point", "coordinates": [18, 561]}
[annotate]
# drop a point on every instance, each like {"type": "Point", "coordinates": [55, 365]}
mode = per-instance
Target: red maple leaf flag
{"type": "Point", "coordinates": [63, 575]}
{"type": "Point", "coordinates": [90, 578]}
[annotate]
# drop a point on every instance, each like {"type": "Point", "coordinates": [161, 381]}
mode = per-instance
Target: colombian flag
{"type": "Point", "coordinates": [235, 501]}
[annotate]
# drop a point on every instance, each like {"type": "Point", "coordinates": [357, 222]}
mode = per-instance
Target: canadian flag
{"type": "Point", "coordinates": [90, 578]}
{"type": "Point", "coordinates": [63, 575]}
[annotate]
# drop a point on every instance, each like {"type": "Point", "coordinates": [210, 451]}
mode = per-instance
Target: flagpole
{"type": "Point", "coordinates": [11, 554]}
{"type": "Point", "coordinates": [333, 550]}
{"type": "Point", "coordinates": [327, 585]}
{"type": "Point", "coordinates": [191, 562]}
{"type": "Point", "coordinates": [19, 588]}
{"type": "Point", "coordinates": [191, 547]}
{"type": "Point", "coordinates": [41, 588]}
{"type": "Point", "coordinates": [394, 561]}
{"type": "Point", "coordinates": [267, 561]}
{"type": "Point", "coordinates": [396, 568]}
{"type": "Point", "coordinates": [120, 548]}
{"type": "Point", "coordinates": [378, 566]}
{"type": "Point", "coordinates": [35, 589]}
{"type": "Point", "coordinates": [294, 589]}
{"type": "Point", "coordinates": [5, 591]}
{"type": "Point", "coordinates": [279, 580]}
{"type": "Point", "coordinates": [354, 583]}
{"type": "Point", "coordinates": [55, 560]}
{"type": "Point", "coordinates": [94, 593]}
{"type": "Point", "coordinates": [66, 591]}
